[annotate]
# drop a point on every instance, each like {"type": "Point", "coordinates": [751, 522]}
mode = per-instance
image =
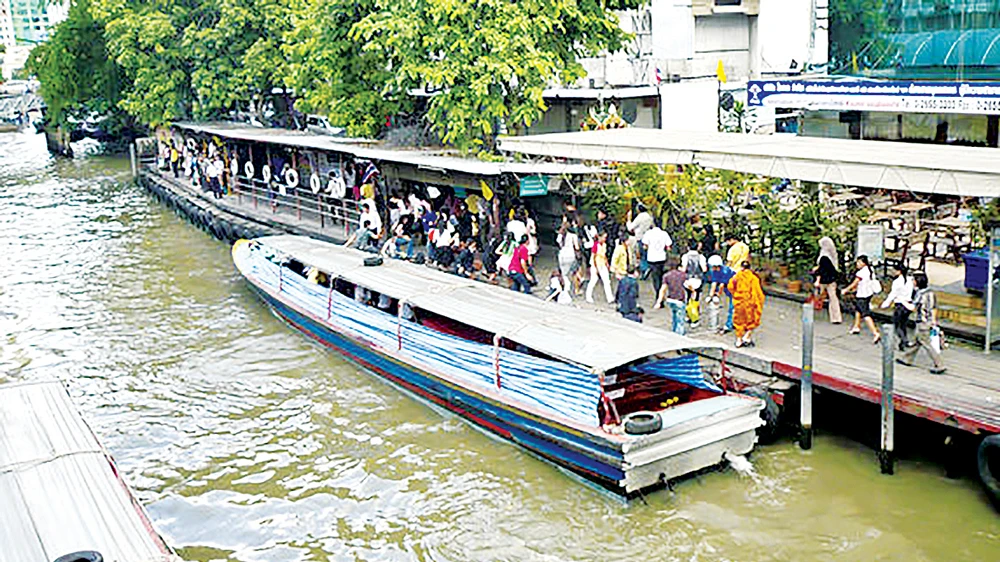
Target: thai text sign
{"type": "Point", "coordinates": [875, 95]}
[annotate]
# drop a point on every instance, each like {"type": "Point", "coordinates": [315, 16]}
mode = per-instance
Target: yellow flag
{"type": "Point", "coordinates": [487, 192]}
{"type": "Point", "coordinates": [854, 62]}
{"type": "Point", "coordinates": [720, 72]}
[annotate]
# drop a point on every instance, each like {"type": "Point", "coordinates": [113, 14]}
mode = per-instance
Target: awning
{"type": "Point", "coordinates": [920, 168]}
{"type": "Point", "coordinates": [593, 340]}
{"type": "Point", "coordinates": [601, 93]}
{"type": "Point", "coordinates": [433, 161]}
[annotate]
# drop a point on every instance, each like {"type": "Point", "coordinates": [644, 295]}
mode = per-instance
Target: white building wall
{"type": "Point", "coordinates": [793, 30]}
{"type": "Point", "coordinates": [6, 25]}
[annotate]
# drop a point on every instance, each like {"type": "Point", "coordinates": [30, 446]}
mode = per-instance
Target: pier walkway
{"type": "Point", "coordinates": [967, 397]}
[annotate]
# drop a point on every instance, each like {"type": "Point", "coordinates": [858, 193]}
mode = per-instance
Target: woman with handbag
{"type": "Point", "coordinates": [865, 286]}
{"type": "Point", "coordinates": [826, 278]}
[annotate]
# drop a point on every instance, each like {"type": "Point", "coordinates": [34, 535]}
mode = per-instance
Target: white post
{"type": "Point", "coordinates": [131, 152]}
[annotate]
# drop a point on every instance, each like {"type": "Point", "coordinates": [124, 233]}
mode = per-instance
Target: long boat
{"type": "Point", "coordinates": [620, 403]}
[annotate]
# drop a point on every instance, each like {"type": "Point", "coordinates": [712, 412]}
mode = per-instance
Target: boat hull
{"type": "Point", "coordinates": [694, 436]}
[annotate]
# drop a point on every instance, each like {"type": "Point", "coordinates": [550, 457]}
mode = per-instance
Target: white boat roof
{"type": "Point", "coordinates": [358, 149]}
{"type": "Point", "coordinates": [59, 492]}
{"type": "Point", "coordinates": [593, 340]}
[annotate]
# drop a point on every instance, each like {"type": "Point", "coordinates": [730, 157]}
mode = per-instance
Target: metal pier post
{"type": "Point", "coordinates": [885, 454]}
{"type": "Point", "coordinates": [806, 381]}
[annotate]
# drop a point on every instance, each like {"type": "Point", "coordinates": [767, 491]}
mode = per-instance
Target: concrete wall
{"type": "Point", "coordinates": [690, 105]}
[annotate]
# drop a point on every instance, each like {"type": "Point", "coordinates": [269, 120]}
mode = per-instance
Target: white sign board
{"type": "Point", "coordinates": [871, 242]}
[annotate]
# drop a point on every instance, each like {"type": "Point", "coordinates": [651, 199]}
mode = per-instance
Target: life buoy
{"type": "Point", "coordinates": [291, 177]}
{"type": "Point", "coordinates": [314, 184]}
{"type": "Point", "coordinates": [990, 449]}
{"type": "Point", "coordinates": [234, 166]}
{"type": "Point", "coordinates": [248, 169]}
{"type": "Point", "coordinates": [265, 173]}
{"type": "Point", "coordinates": [192, 146]}
{"type": "Point", "coordinates": [337, 188]}
{"type": "Point", "coordinates": [642, 423]}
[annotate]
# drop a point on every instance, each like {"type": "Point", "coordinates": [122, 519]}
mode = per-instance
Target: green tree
{"type": "Point", "coordinates": [331, 72]}
{"type": "Point", "coordinates": [192, 59]}
{"type": "Point", "coordinates": [488, 61]}
{"type": "Point", "coordinates": [76, 75]}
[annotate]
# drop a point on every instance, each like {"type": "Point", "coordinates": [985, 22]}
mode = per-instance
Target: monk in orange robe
{"type": "Point", "coordinates": [748, 304]}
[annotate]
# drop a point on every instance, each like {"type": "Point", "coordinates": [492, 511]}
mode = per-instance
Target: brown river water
{"type": "Point", "coordinates": [247, 442]}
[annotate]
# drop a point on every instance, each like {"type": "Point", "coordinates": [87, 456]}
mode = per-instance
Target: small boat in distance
{"type": "Point", "coordinates": [623, 404]}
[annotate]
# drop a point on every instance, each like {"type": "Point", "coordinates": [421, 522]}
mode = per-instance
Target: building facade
{"type": "Point", "coordinates": [668, 76]}
{"type": "Point", "coordinates": [32, 20]}
{"type": "Point", "coordinates": [6, 25]}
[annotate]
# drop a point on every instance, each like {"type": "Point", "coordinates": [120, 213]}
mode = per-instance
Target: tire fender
{"type": "Point", "coordinates": [771, 414]}
{"type": "Point", "coordinates": [990, 448]}
{"type": "Point", "coordinates": [642, 423]}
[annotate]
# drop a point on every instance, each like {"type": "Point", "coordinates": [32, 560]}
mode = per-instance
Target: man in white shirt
{"type": "Point", "coordinates": [656, 242]}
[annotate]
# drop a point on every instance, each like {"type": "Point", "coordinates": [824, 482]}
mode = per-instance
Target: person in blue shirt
{"type": "Point", "coordinates": [719, 275]}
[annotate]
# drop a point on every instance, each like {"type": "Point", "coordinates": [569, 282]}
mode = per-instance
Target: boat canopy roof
{"type": "Point", "coordinates": [596, 341]}
{"type": "Point", "coordinates": [59, 491]}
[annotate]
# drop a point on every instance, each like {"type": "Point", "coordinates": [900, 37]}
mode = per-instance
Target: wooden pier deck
{"type": "Point", "coordinates": [967, 397]}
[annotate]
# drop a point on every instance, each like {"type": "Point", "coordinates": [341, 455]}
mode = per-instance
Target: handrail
{"type": "Point", "coordinates": [311, 210]}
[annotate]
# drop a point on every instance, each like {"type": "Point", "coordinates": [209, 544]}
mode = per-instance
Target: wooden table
{"type": "Point", "coordinates": [953, 233]}
{"type": "Point", "coordinates": [845, 197]}
{"type": "Point", "coordinates": [913, 208]}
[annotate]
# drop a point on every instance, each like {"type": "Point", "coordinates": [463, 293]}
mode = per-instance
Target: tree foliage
{"type": "Point", "coordinates": [331, 72]}
{"type": "Point", "coordinates": [76, 75]}
{"type": "Point", "coordinates": [354, 60]}
{"type": "Point", "coordinates": [488, 61]}
{"type": "Point", "coordinates": [859, 31]}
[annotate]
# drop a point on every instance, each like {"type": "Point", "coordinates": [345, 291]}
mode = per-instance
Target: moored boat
{"type": "Point", "coordinates": [622, 404]}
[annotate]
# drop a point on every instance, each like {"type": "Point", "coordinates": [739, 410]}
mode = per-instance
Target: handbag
{"type": "Point", "coordinates": [817, 300]}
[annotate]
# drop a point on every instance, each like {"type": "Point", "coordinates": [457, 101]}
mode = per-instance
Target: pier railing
{"type": "Point", "coordinates": [338, 217]}
{"type": "Point", "coordinates": [319, 209]}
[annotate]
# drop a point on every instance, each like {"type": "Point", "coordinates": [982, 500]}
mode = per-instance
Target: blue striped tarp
{"type": "Point", "coordinates": [556, 388]}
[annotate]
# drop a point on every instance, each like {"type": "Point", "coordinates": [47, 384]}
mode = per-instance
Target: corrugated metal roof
{"type": "Point", "coordinates": [921, 168]}
{"type": "Point", "coordinates": [596, 341]}
{"type": "Point", "coordinates": [59, 491]}
{"type": "Point", "coordinates": [354, 147]}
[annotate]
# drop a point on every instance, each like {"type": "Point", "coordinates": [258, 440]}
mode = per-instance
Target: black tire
{"type": "Point", "coordinates": [771, 414]}
{"type": "Point", "coordinates": [82, 556]}
{"type": "Point", "coordinates": [642, 423]}
{"type": "Point", "coordinates": [373, 261]}
{"type": "Point", "coordinates": [988, 458]}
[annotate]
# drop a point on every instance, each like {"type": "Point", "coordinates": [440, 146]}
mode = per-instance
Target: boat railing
{"type": "Point", "coordinates": [320, 209]}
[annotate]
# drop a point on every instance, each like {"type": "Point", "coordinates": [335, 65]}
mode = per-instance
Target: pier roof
{"type": "Point", "coordinates": [59, 490]}
{"type": "Point", "coordinates": [596, 341]}
{"type": "Point", "coordinates": [919, 168]}
{"type": "Point", "coordinates": [363, 148]}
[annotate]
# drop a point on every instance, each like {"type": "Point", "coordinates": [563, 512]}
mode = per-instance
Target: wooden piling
{"type": "Point", "coordinates": [806, 382]}
{"type": "Point", "coordinates": [132, 161]}
{"type": "Point", "coordinates": [885, 454]}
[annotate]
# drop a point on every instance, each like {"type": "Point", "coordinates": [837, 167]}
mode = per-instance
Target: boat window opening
{"type": "Point", "coordinates": [296, 266]}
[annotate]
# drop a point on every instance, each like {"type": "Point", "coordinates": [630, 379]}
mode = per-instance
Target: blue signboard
{"type": "Point", "coordinates": [876, 95]}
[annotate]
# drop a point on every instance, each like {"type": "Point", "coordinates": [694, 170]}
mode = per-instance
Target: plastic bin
{"type": "Point", "coordinates": [977, 265]}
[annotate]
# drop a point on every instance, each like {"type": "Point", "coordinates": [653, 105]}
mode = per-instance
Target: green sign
{"type": "Point", "coordinates": [534, 185]}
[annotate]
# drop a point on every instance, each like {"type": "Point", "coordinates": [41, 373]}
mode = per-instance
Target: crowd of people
{"type": "Point", "coordinates": [909, 295]}
{"type": "Point", "coordinates": [205, 168]}
{"type": "Point", "coordinates": [464, 237]}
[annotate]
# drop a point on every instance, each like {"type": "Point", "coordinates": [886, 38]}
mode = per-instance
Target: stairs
{"type": "Point", "coordinates": [966, 309]}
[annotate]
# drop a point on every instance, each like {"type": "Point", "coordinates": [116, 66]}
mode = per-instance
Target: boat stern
{"type": "Point", "coordinates": [694, 436]}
